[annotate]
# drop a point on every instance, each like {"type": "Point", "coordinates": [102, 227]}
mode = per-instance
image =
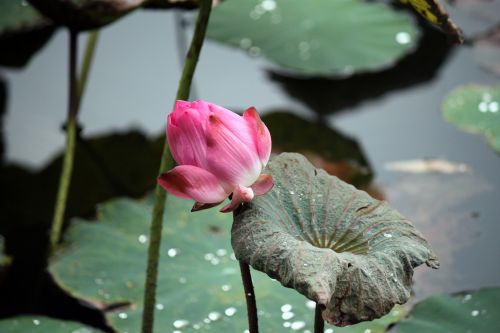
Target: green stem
{"type": "Point", "coordinates": [319, 323]}
{"type": "Point", "coordinates": [246, 278]}
{"type": "Point", "coordinates": [87, 62]}
{"type": "Point", "coordinates": [75, 92]}
{"type": "Point", "coordinates": [166, 163]}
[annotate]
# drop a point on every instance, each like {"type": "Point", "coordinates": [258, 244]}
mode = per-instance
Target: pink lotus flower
{"type": "Point", "coordinates": [219, 153]}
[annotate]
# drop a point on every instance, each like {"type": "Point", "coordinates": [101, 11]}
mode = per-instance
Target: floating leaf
{"type": "Point", "coordinates": [316, 36]}
{"type": "Point", "coordinates": [444, 208]}
{"type": "Point", "coordinates": [85, 14]}
{"type": "Point", "coordinates": [324, 146]}
{"type": "Point", "coordinates": [435, 13]}
{"type": "Point", "coordinates": [316, 92]}
{"type": "Point", "coordinates": [336, 245]}
{"type": "Point", "coordinates": [475, 311]}
{"type": "Point", "coordinates": [39, 324]}
{"type": "Point", "coordinates": [23, 31]}
{"type": "Point", "coordinates": [476, 109]}
{"type": "Point", "coordinates": [199, 287]}
{"type": "Point", "coordinates": [487, 50]}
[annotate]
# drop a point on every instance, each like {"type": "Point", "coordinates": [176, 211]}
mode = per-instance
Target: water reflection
{"type": "Point", "coordinates": [439, 205]}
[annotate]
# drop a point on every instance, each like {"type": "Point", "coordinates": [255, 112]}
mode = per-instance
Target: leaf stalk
{"type": "Point", "coordinates": [319, 323]}
{"type": "Point", "coordinates": [76, 88]}
{"type": "Point", "coordinates": [246, 278]}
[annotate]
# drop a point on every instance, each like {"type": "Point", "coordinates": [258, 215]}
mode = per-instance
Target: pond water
{"type": "Point", "coordinates": [133, 84]}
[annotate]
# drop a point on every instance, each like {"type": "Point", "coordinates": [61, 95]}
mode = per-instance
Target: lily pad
{"type": "Point", "coordinates": [475, 109]}
{"type": "Point", "coordinates": [39, 324]}
{"type": "Point", "coordinates": [199, 286]}
{"type": "Point", "coordinates": [334, 244]}
{"type": "Point", "coordinates": [85, 14]}
{"type": "Point", "coordinates": [475, 311]}
{"type": "Point", "coordinates": [316, 93]}
{"type": "Point", "coordinates": [23, 31]}
{"type": "Point", "coordinates": [316, 37]}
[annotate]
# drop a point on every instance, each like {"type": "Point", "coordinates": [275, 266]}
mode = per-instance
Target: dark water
{"type": "Point", "coordinates": [132, 86]}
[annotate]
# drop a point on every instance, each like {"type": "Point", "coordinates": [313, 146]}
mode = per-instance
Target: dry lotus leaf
{"type": "Point", "coordinates": [334, 244]}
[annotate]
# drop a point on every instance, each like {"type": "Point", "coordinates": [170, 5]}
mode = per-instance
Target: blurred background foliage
{"type": "Point", "coordinates": [350, 84]}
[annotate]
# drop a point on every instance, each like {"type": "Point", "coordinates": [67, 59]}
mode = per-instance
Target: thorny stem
{"type": "Point", "coordinates": [165, 164]}
{"type": "Point", "coordinates": [253, 321]}
{"type": "Point", "coordinates": [319, 323]}
{"type": "Point", "coordinates": [75, 93]}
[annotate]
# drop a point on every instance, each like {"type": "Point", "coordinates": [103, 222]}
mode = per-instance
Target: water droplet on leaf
{"type": "Point", "coordinates": [181, 323]}
{"type": "Point", "coordinates": [230, 311]}
{"type": "Point", "coordinates": [173, 252]}
{"type": "Point", "coordinates": [297, 325]}
{"type": "Point", "coordinates": [142, 239]}
{"type": "Point", "coordinates": [403, 38]}
{"type": "Point", "coordinates": [213, 316]}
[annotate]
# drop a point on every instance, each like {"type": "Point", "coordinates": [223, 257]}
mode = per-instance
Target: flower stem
{"type": "Point", "coordinates": [253, 321]}
{"type": "Point", "coordinates": [319, 323]}
{"type": "Point", "coordinates": [87, 62]}
{"type": "Point", "coordinates": [75, 93]}
{"type": "Point", "coordinates": [165, 164]}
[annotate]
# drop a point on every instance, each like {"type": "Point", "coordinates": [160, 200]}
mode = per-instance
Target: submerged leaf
{"type": "Point", "coordinates": [316, 37]}
{"type": "Point", "coordinates": [476, 109]}
{"type": "Point", "coordinates": [336, 245]}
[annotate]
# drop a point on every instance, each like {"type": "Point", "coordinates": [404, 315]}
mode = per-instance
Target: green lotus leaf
{"type": "Point", "coordinates": [199, 286]}
{"type": "Point", "coordinates": [316, 37]}
{"type": "Point", "coordinates": [476, 109]}
{"type": "Point", "coordinates": [23, 31]}
{"type": "Point", "coordinates": [475, 311]}
{"type": "Point", "coordinates": [85, 14]}
{"type": "Point", "coordinates": [39, 324]}
{"type": "Point", "coordinates": [336, 245]}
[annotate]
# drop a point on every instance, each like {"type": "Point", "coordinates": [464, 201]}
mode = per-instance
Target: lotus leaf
{"type": "Point", "coordinates": [336, 245]}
